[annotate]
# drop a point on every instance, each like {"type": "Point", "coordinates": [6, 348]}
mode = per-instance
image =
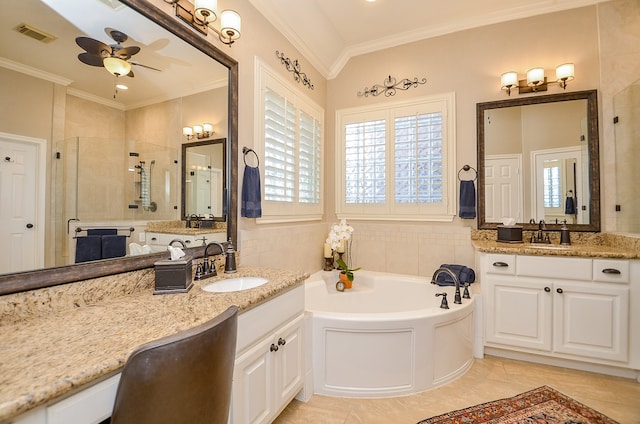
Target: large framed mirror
{"type": "Point", "coordinates": [538, 160]}
{"type": "Point", "coordinates": [157, 32]}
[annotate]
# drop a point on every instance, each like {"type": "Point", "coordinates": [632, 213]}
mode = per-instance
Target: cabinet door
{"type": "Point", "coordinates": [253, 385]}
{"type": "Point", "coordinates": [288, 365]}
{"type": "Point", "coordinates": [518, 312]}
{"type": "Point", "coordinates": [591, 320]}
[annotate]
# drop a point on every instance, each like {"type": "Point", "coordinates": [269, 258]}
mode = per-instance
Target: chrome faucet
{"type": "Point", "coordinates": [176, 240]}
{"type": "Point", "coordinates": [457, 298]}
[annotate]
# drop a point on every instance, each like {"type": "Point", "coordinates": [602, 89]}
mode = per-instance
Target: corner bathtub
{"type": "Point", "coordinates": [387, 336]}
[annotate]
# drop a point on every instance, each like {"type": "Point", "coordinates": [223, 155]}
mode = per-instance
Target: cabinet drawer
{"type": "Point", "coordinates": [611, 270]}
{"type": "Point", "coordinates": [501, 264]}
{"type": "Point", "coordinates": [91, 405]}
{"type": "Point", "coordinates": [555, 267]}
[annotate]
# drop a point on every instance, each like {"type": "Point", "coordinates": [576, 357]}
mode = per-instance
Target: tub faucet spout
{"type": "Point", "coordinates": [457, 299]}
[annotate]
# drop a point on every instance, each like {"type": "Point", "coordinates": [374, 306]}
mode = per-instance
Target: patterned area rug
{"type": "Point", "coordinates": [543, 405]}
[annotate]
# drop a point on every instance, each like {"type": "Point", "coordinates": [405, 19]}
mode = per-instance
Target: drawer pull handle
{"type": "Point", "coordinates": [273, 348]}
{"type": "Point", "coordinates": [611, 271]}
{"type": "Point", "coordinates": [187, 241]}
{"type": "Point", "coordinates": [547, 289]}
{"type": "Point", "coordinates": [501, 264]}
{"type": "Point", "coordinates": [153, 239]}
{"type": "Point", "coordinates": [282, 341]}
{"type": "Point", "coordinates": [560, 291]}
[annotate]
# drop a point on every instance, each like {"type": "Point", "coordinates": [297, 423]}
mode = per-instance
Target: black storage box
{"type": "Point", "coordinates": [510, 234]}
{"type": "Point", "coordinates": [173, 276]}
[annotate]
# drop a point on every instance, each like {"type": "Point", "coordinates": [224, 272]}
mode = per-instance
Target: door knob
{"type": "Point", "coordinates": [547, 289]}
{"type": "Point", "coordinates": [29, 225]}
{"type": "Point", "coordinates": [559, 291]}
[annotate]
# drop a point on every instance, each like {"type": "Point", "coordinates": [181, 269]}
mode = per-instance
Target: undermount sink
{"type": "Point", "coordinates": [548, 247]}
{"type": "Point", "coordinates": [234, 284]}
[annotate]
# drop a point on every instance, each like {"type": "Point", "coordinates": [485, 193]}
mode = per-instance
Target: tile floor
{"type": "Point", "coordinates": [488, 379]}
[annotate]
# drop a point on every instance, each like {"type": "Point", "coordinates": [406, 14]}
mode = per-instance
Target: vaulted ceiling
{"type": "Point", "coordinates": [330, 32]}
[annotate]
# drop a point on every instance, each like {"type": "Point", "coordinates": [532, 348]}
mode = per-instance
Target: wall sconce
{"type": "Point", "coordinates": [536, 81]}
{"type": "Point", "coordinates": [202, 13]}
{"type": "Point", "coordinates": [198, 131]}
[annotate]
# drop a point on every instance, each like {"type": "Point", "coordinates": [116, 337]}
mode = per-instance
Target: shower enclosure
{"type": "Point", "coordinates": [106, 181]}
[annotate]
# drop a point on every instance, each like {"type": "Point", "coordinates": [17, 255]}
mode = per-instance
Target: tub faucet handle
{"type": "Point", "coordinates": [444, 304]}
{"type": "Point", "coordinates": [465, 294]}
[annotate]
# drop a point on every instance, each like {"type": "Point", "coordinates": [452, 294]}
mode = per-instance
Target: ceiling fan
{"type": "Point", "coordinates": [114, 58]}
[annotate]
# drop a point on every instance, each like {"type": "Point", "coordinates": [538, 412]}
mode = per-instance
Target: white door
{"type": "Point", "coordinates": [21, 205]}
{"type": "Point", "coordinates": [503, 188]}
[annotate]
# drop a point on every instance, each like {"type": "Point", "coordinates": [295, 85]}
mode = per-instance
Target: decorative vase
{"type": "Point", "coordinates": [345, 280]}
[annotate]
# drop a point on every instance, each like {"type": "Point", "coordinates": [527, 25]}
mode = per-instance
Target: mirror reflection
{"type": "Point", "coordinates": [110, 155]}
{"type": "Point", "coordinates": [538, 160]}
{"type": "Point", "coordinates": [203, 179]}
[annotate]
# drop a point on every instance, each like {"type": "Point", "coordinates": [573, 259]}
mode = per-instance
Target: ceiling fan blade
{"type": "Point", "coordinates": [126, 52]}
{"type": "Point", "coordinates": [93, 46]}
{"type": "Point", "coordinates": [90, 59]}
{"type": "Point", "coordinates": [146, 66]}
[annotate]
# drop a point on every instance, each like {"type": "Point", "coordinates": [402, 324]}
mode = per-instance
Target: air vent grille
{"type": "Point", "coordinates": [35, 33]}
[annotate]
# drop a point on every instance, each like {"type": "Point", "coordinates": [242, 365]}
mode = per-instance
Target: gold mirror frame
{"type": "Point", "coordinates": [30, 280]}
{"type": "Point", "coordinates": [591, 96]}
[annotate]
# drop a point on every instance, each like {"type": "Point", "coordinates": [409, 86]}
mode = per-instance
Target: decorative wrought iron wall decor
{"type": "Point", "coordinates": [390, 86]}
{"type": "Point", "coordinates": [294, 66]}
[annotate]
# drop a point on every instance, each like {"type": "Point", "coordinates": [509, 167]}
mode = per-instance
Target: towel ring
{"type": "Point", "coordinates": [467, 168]}
{"type": "Point", "coordinates": [246, 151]}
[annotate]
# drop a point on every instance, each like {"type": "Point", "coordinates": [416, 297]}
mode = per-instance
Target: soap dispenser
{"type": "Point", "coordinates": [230, 262]}
{"type": "Point", "coordinates": [564, 234]}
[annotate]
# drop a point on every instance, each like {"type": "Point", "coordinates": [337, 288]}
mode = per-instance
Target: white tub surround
{"type": "Point", "coordinates": [387, 336]}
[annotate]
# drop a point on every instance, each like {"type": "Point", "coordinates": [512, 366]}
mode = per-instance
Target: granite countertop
{"type": "Point", "coordinates": [52, 352]}
{"type": "Point", "coordinates": [180, 228]}
{"type": "Point", "coordinates": [586, 251]}
{"type": "Point", "coordinates": [587, 245]}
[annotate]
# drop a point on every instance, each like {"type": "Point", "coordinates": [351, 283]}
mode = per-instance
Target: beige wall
{"type": "Point", "coordinates": [470, 64]}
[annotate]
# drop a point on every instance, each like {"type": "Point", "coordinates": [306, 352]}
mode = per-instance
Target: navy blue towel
{"type": "Point", "coordinates": [114, 246]}
{"type": "Point", "coordinates": [570, 206]}
{"type": "Point", "coordinates": [464, 274]}
{"type": "Point", "coordinates": [251, 203]}
{"type": "Point", "coordinates": [467, 199]}
{"type": "Point", "coordinates": [102, 232]}
{"type": "Point", "coordinates": [88, 248]}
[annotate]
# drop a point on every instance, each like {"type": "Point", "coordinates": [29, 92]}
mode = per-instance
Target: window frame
{"type": "Point", "coordinates": [278, 211]}
{"type": "Point", "coordinates": [390, 211]}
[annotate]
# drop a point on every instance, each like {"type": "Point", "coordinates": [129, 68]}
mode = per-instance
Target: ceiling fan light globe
{"type": "Point", "coordinates": [117, 66]}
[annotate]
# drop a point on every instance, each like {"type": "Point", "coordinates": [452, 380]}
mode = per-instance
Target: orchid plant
{"type": "Point", "coordinates": [339, 235]}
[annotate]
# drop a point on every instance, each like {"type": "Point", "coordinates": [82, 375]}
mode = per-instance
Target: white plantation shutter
{"type": "Point", "coordinates": [291, 128]}
{"type": "Point", "coordinates": [309, 159]}
{"type": "Point", "coordinates": [398, 160]}
{"type": "Point", "coordinates": [279, 148]}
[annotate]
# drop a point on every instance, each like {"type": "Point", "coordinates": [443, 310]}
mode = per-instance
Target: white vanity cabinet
{"type": "Point", "coordinates": [159, 241]}
{"type": "Point", "coordinates": [572, 308]}
{"type": "Point", "coordinates": [268, 371]}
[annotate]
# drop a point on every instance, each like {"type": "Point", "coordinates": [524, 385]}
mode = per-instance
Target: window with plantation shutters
{"type": "Point", "coordinates": [291, 128]}
{"type": "Point", "coordinates": [397, 161]}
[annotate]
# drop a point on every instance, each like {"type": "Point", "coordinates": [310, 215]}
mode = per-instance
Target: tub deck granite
{"type": "Point", "coordinates": [57, 340]}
